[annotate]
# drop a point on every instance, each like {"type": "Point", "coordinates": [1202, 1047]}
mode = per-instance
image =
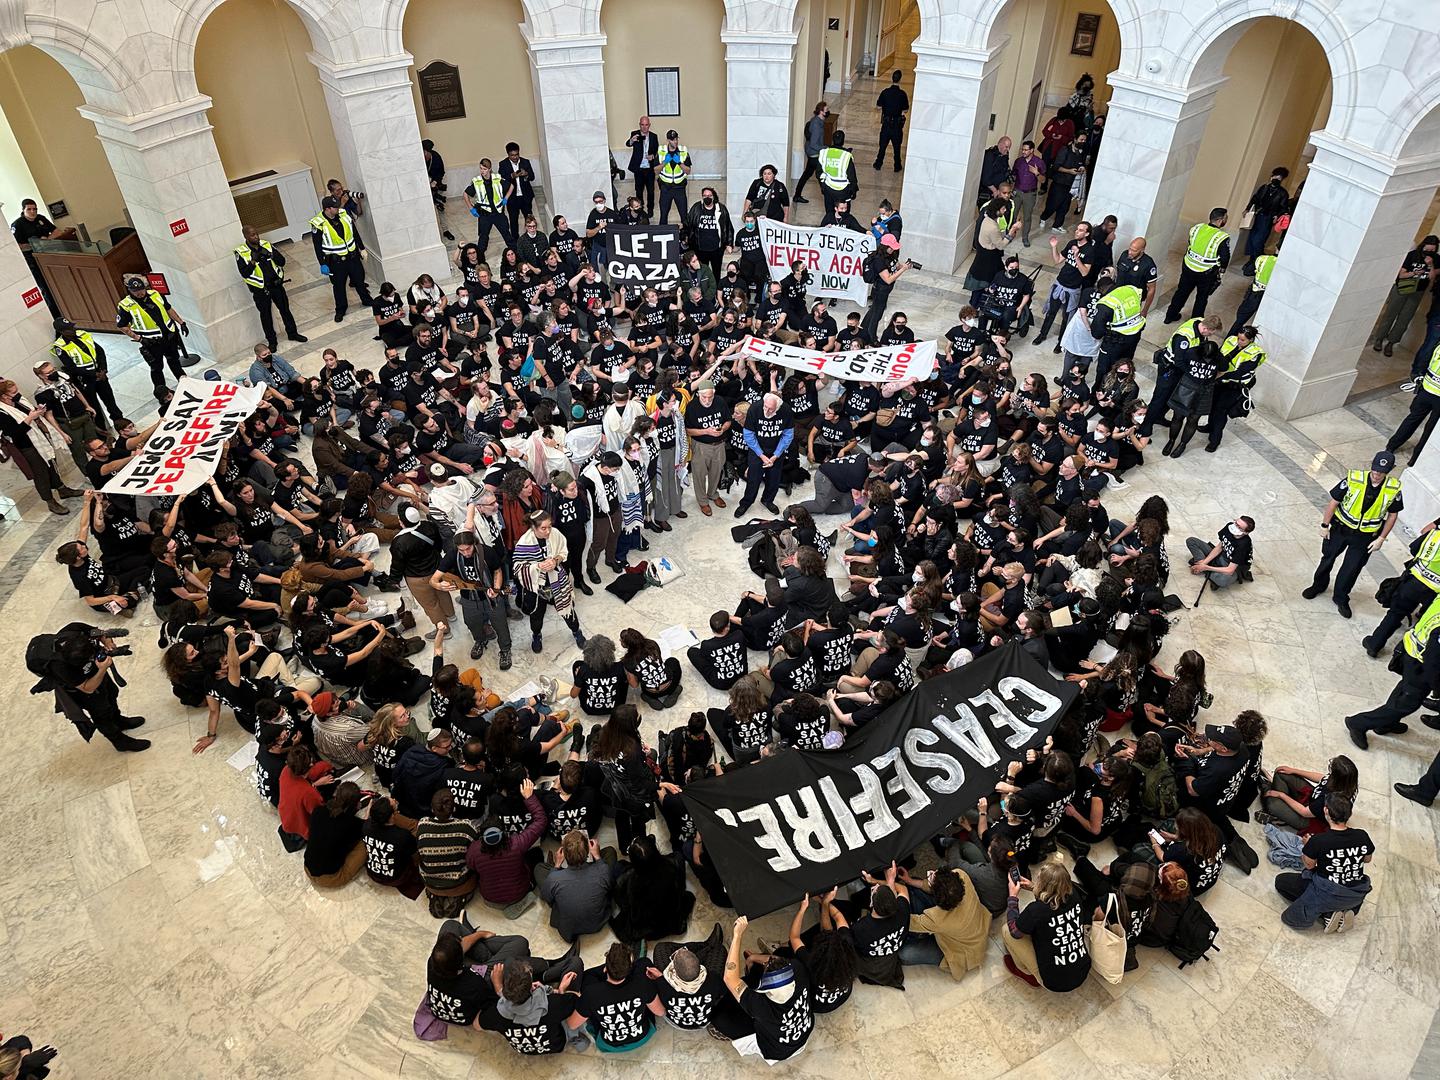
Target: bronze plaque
{"type": "Point", "coordinates": [440, 92]}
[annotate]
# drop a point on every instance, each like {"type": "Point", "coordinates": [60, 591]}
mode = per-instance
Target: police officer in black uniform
{"type": "Point", "coordinates": [1362, 511]}
{"type": "Point", "coordinates": [83, 359]}
{"type": "Point", "coordinates": [262, 268]}
{"type": "Point", "coordinates": [81, 673]}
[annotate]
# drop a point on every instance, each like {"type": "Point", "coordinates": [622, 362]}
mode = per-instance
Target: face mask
{"type": "Point", "coordinates": [600, 205]}
{"type": "Point", "coordinates": [976, 399]}
{"type": "Point", "coordinates": [917, 577]}
{"type": "Point", "coordinates": [1139, 418]}
{"type": "Point", "coordinates": [926, 440]}
{"type": "Point", "coordinates": [1235, 529]}
{"type": "Point", "coordinates": [709, 202]}
{"type": "Point", "coordinates": [750, 225]}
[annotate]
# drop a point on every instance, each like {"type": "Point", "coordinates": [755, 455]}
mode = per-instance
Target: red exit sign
{"type": "Point", "coordinates": [32, 298]}
{"type": "Point", "coordinates": [179, 228]}
{"type": "Point", "coordinates": [158, 283]}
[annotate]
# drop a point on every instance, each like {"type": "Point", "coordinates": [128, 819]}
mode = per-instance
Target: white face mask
{"type": "Point", "coordinates": [970, 324]}
{"type": "Point", "coordinates": [1235, 530]}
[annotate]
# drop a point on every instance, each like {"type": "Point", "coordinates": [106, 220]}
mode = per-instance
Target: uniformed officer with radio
{"type": "Point", "coordinates": [672, 169]}
{"type": "Point", "coordinates": [145, 316]}
{"type": "Point", "coordinates": [1242, 356]}
{"type": "Point", "coordinates": [1117, 321]}
{"type": "Point", "coordinates": [1362, 511]}
{"type": "Point", "coordinates": [83, 359]}
{"type": "Point", "coordinates": [339, 251]}
{"type": "Point", "coordinates": [1424, 407]}
{"type": "Point", "coordinates": [1416, 589]}
{"type": "Point", "coordinates": [1419, 657]}
{"type": "Point", "coordinates": [262, 268]}
{"type": "Point", "coordinates": [1205, 262]}
{"type": "Point", "coordinates": [838, 179]}
{"type": "Point", "coordinates": [1245, 314]}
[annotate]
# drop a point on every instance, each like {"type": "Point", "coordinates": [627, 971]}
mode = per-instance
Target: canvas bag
{"type": "Point", "coordinates": [1108, 946]}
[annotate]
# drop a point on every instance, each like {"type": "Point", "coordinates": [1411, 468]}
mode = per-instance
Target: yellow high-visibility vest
{"type": "Point", "coordinates": [336, 237]}
{"type": "Point", "coordinates": [1124, 302]}
{"type": "Point", "coordinates": [1427, 561]}
{"type": "Point", "coordinates": [1418, 635]}
{"type": "Point", "coordinates": [140, 320]}
{"type": "Point", "coordinates": [81, 352]}
{"type": "Point", "coordinates": [835, 167]}
{"type": "Point", "coordinates": [1366, 519]}
{"type": "Point", "coordinates": [1204, 250]}
{"type": "Point", "coordinates": [672, 172]}
{"type": "Point", "coordinates": [488, 193]}
{"type": "Point", "coordinates": [256, 279]}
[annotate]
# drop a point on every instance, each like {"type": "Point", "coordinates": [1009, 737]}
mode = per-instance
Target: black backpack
{"type": "Point", "coordinates": [39, 655]}
{"type": "Point", "coordinates": [628, 787]}
{"type": "Point", "coordinates": [1195, 934]}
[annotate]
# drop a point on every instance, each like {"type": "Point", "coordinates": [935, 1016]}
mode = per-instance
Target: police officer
{"type": "Point", "coordinates": [81, 671]}
{"type": "Point", "coordinates": [1117, 321]}
{"type": "Point", "coordinates": [262, 268]}
{"type": "Point", "coordinates": [1424, 408]}
{"type": "Point", "coordinates": [672, 169]}
{"type": "Point", "coordinates": [1134, 267]}
{"type": "Point", "coordinates": [1242, 357]}
{"type": "Point", "coordinates": [1416, 590]}
{"type": "Point", "coordinates": [146, 317]}
{"type": "Point", "coordinates": [83, 359]}
{"type": "Point", "coordinates": [486, 196]}
{"type": "Point", "coordinates": [837, 172]}
{"type": "Point", "coordinates": [338, 250]}
{"type": "Point", "coordinates": [1245, 314]}
{"type": "Point", "coordinates": [1419, 679]}
{"type": "Point", "coordinates": [1206, 260]}
{"type": "Point", "coordinates": [1362, 511]}
{"type": "Point", "coordinates": [1173, 360]}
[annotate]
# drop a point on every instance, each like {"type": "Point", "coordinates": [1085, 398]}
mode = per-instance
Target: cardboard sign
{"type": "Point", "coordinates": [834, 256]}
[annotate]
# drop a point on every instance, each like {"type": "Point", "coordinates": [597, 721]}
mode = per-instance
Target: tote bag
{"type": "Point", "coordinates": [1108, 946]}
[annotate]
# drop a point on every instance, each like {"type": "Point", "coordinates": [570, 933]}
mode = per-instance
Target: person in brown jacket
{"type": "Point", "coordinates": [949, 927]}
{"type": "Point", "coordinates": [333, 450]}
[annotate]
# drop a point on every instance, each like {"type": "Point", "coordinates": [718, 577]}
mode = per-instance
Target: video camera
{"type": "Point", "coordinates": [97, 640]}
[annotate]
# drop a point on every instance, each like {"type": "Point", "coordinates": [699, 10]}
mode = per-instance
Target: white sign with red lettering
{"type": "Point", "coordinates": [183, 452]}
{"type": "Point", "coordinates": [891, 363]}
{"type": "Point", "coordinates": [835, 257]}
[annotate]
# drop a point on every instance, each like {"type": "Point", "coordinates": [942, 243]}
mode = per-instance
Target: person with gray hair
{"type": "Point", "coordinates": [768, 435]}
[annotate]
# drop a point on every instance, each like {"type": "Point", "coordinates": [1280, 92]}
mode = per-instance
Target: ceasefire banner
{"type": "Point", "coordinates": [643, 255]}
{"type": "Point", "coordinates": [802, 821]}
{"type": "Point", "coordinates": [915, 360]}
{"type": "Point", "coordinates": [183, 452]}
{"type": "Point", "coordinates": [834, 256]}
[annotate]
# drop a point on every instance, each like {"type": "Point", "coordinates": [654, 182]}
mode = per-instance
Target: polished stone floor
{"type": "Point", "coordinates": [152, 926]}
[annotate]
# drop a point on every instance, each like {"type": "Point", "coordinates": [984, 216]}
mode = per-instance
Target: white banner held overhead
{"type": "Point", "coordinates": [183, 452]}
{"type": "Point", "coordinates": [834, 256]}
{"type": "Point", "coordinates": [892, 362]}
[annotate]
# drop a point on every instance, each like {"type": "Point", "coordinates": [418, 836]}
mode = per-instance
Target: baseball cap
{"type": "Point", "coordinates": [1225, 735]}
{"type": "Point", "coordinates": [672, 134]}
{"type": "Point", "coordinates": [324, 703]}
{"type": "Point", "coordinates": [1383, 462]}
{"type": "Point", "coordinates": [889, 241]}
{"type": "Point", "coordinates": [598, 195]}
{"type": "Point", "coordinates": [329, 203]}
{"type": "Point", "coordinates": [63, 324]}
{"type": "Point", "coordinates": [135, 283]}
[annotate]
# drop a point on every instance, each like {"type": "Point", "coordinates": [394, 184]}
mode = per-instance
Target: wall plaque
{"type": "Point", "coordinates": [440, 92]}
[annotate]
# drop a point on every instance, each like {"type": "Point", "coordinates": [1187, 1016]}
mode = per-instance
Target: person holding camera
{"type": "Point", "coordinates": [882, 269]}
{"type": "Point", "coordinates": [78, 665]}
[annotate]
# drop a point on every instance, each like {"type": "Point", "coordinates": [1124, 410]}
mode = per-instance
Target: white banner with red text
{"type": "Point", "coordinates": [834, 256]}
{"type": "Point", "coordinates": [888, 364]}
{"type": "Point", "coordinates": [183, 452]}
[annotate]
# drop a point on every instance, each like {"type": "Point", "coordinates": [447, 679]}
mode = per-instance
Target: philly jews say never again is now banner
{"type": "Point", "coordinates": [804, 821]}
{"type": "Point", "coordinates": [183, 452]}
{"type": "Point", "coordinates": [834, 256]}
{"type": "Point", "coordinates": [915, 360]}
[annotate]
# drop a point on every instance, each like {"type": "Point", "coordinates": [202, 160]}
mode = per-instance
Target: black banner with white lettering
{"type": "Point", "coordinates": [643, 255]}
{"type": "Point", "coordinates": [806, 820]}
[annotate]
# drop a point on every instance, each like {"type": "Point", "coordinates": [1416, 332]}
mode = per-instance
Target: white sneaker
{"type": "Point", "coordinates": [1409, 385]}
{"type": "Point", "coordinates": [1058, 232]}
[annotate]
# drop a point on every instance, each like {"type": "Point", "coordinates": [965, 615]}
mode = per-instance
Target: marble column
{"type": "Point", "coordinates": [948, 132]}
{"type": "Point", "coordinates": [1359, 215]}
{"type": "Point", "coordinates": [25, 327]}
{"type": "Point", "coordinates": [372, 109]}
{"type": "Point", "coordinates": [758, 66]}
{"type": "Point", "coordinates": [569, 83]}
{"type": "Point", "coordinates": [168, 170]}
{"type": "Point", "coordinates": [1152, 137]}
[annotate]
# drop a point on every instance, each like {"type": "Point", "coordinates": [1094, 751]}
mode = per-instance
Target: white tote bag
{"type": "Point", "coordinates": [1108, 946]}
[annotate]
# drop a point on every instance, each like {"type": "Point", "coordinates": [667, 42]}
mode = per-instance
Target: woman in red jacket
{"type": "Point", "coordinates": [300, 783]}
{"type": "Point", "coordinates": [504, 865]}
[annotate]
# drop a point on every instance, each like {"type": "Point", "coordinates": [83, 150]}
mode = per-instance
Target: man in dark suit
{"type": "Point", "coordinates": [644, 152]}
{"type": "Point", "coordinates": [517, 171]}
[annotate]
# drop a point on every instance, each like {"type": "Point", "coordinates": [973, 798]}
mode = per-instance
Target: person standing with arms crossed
{"type": "Point", "coordinates": [893, 104]}
{"type": "Point", "coordinates": [262, 268]}
{"type": "Point", "coordinates": [1362, 511]}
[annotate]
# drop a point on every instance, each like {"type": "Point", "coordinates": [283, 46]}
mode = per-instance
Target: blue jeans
{"type": "Point", "coordinates": [1313, 897]}
{"type": "Point", "coordinates": [1259, 233]}
{"type": "Point", "coordinates": [920, 950]}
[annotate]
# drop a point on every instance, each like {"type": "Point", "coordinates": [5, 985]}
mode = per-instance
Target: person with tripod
{"type": "Point", "coordinates": [78, 665]}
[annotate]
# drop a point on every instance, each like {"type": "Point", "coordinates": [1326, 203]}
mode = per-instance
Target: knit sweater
{"type": "Point", "coordinates": [442, 846]}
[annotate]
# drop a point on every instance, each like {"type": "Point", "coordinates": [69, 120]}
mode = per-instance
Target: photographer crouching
{"type": "Point", "coordinates": [78, 665]}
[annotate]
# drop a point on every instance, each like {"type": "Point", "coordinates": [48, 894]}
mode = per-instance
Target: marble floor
{"type": "Point", "coordinates": [152, 926]}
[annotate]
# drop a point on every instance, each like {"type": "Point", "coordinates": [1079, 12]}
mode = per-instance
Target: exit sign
{"type": "Point", "coordinates": [179, 228]}
{"type": "Point", "coordinates": [32, 298]}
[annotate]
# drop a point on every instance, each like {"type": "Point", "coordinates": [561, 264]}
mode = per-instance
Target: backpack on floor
{"type": "Point", "coordinates": [1159, 793]}
{"type": "Point", "coordinates": [1195, 934]}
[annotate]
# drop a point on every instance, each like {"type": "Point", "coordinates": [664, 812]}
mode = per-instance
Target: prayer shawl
{"type": "Point", "coordinates": [553, 585]}
{"type": "Point", "coordinates": [682, 444]}
{"type": "Point", "coordinates": [632, 505]}
{"type": "Point", "coordinates": [617, 424]}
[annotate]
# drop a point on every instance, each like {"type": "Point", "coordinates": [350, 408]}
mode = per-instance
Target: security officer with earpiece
{"type": "Point", "coordinates": [145, 316]}
{"type": "Point", "coordinates": [1415, 590]}
{"type": "Point", "coordinates": [83, 359]}
{"type": "Point", "coordinates": [340, 253]}
{"type": "Point", "coordinates": [1362, 511]}
{"type": "Point", "coordinates": [838, 179]}
{"type": "Point", "coordinates": [1242, 356]}
{"type": "Point", "coordinates": [1419, 656]}
{"type": "Point", "coordinates": [1205, 262]}
{"type": "Point", "coordinates": [1245, 314]}
{"type": "Point", "coordinates": [262, 268]}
